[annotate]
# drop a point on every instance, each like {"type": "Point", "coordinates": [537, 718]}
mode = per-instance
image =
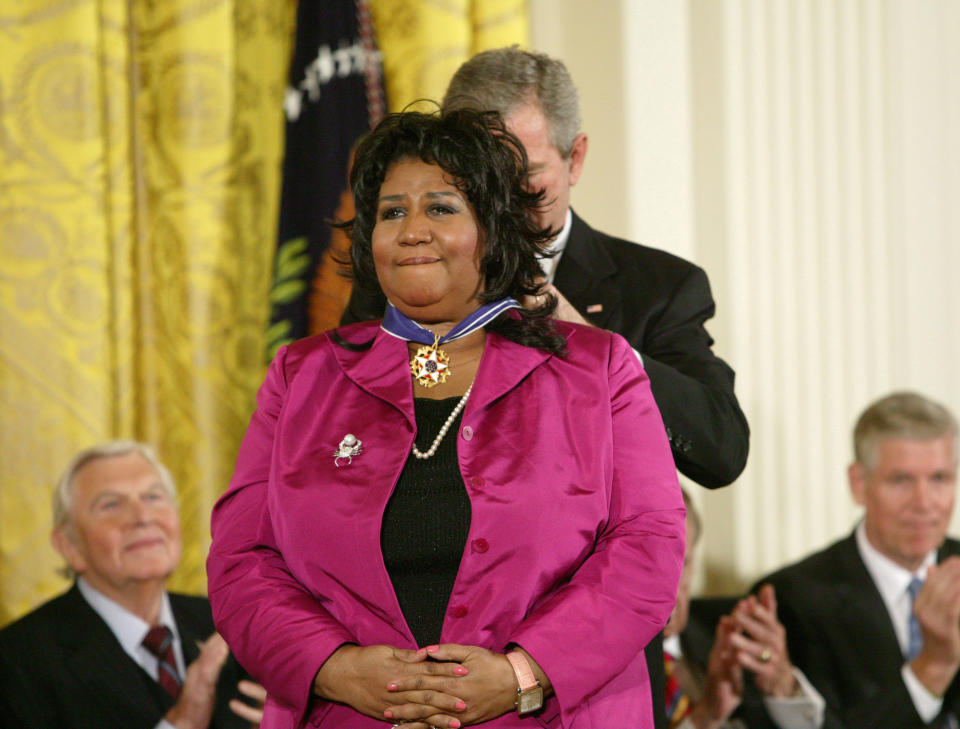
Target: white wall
{"type": "Point", "coordinates": [807, 154]}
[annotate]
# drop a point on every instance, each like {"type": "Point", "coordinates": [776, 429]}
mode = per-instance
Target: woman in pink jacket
{"type": "Point", "coordinates": [467, 513]}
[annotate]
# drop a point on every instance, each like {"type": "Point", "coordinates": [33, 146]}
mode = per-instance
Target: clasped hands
{"type": "Point", "coordinates": [751, 637]}
{"type": "Point", "coordinates": [445, 686]}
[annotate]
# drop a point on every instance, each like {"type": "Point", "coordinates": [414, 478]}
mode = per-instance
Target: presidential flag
{"type": "Point", "coordinates": [334, 95]}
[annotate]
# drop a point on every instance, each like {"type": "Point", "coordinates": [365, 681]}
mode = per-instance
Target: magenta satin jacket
{"type": "Point", "coordinates": [576, 540]}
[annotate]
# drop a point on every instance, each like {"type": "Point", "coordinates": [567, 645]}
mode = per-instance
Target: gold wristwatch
{"type": "Point", "coordinates": [529, 690]}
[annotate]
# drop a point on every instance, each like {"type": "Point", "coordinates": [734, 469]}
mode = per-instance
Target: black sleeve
{"type": "Point", "coordinates": [693, 387]}
{"type": "Point", "coordinates": [22, 705]}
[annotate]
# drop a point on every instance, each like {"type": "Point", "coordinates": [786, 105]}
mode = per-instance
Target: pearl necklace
{"type": "Point", "coordinates": [443, 428]}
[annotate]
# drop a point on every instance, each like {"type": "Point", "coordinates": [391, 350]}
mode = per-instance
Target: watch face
{"type": "Point", "coordinates": [530, 700]}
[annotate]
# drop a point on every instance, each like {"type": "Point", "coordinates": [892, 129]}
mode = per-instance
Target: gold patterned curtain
{"type": "Point", "coordinates": [423, 43]}
{"type": "Point", "coordinates": [140, 147]}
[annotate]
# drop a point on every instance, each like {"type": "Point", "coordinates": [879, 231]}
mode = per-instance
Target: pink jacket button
{"type": "Point", "coordinates": [480, 545]}
{"type": "Point", "coordinates": [477, 482]}
{"type": "Point", "coordinates": [460, 611]}
{"type": "Point", "coordinates": [467, 432]}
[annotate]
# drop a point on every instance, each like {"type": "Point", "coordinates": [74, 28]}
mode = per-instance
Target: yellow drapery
{"type": "Point", "coordinates": [140, 147]}
{"type": "Point", "coordinates": [424, 43]}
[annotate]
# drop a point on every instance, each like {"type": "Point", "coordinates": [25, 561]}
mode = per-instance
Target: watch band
{"type": "Point", "coordinates": [529, 691]}
{"type": "Point", "coordinates": [521, 666]}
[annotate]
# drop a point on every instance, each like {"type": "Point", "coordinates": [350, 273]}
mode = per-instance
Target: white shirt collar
{"type": "Point", "coordinates": [557, 245]}
{"type": "Point", "coordinates": [130, 629]}
{"type": "Point", "coordinates": [891, 580]}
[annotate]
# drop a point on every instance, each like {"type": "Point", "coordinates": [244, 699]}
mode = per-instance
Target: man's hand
{"type": "Point", "coordinates": [565, 310]}
{"type": "Point", "coordinates": [195, 705]}
{"type": "Point", "coordinates": [938, 611]}
{"type": "Point", "coordinates": [723, 687]}
{"type": "Point", "coordinates": [762, 644]}
{"type": "Point", "coordinates": [253, 714]}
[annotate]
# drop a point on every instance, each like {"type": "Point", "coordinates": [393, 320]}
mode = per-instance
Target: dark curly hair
{"type": "Point", "coordinates": [489, 166]}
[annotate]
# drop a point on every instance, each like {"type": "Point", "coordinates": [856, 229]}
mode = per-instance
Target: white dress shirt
{"type": "Point", "coordinates": [557, 246]}
{"type": "Point", "coordinates": [130, 630]}
{"type": "Point", "coordinates": [892, 580]}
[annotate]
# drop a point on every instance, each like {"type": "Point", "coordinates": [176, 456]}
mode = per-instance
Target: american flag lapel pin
{"type": "Point", "coordinates": [594, 308]}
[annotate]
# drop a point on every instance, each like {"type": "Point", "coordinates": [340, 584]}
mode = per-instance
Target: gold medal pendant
{"type": "Point", "coordinates": [430, 365]}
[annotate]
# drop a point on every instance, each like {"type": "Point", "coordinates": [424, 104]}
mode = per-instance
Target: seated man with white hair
{"type": "Point", "coordinates": [117, 649]}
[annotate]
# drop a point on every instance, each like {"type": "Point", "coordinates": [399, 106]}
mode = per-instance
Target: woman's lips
{"type": "Point", "coordinates": [417, 260]}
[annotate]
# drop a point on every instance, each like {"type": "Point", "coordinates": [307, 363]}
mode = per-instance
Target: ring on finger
{"type": "Point", "coordinates": [765, 655]}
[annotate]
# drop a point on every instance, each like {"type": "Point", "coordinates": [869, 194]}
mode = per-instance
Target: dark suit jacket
{"type": "Point", "coordinates": [62, 668]}
{"type": "Point", "coordinates": [659, 303]}
{"type": "Point", "coordinates": [840, 635]}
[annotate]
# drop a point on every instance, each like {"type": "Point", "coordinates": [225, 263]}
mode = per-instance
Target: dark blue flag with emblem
{"type": "Point", "coordinates": [334, 95]}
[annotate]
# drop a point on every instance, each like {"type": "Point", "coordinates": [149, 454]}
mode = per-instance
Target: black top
{"type": "Point", "coordinates": [425, 524]}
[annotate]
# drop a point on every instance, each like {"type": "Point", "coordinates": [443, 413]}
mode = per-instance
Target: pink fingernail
{"type": "Point", "coordinates": [432, 648]}
{"type": "Point", "coordinates": [421, 651]}
{"type": "Point", "coordinates": [461, 671]}
{"type": "Point", "coordinates": [455, 724]}
{"type": "Point", "coordinates": [392, 687]}
{"type": "Point", "coordinates": [461, 705]}
{"type": "Point", "coordinates": [388, 714]}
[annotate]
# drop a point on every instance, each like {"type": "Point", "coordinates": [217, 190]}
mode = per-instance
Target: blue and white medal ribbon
{"type": "Point", "coordinates": [431, 365]}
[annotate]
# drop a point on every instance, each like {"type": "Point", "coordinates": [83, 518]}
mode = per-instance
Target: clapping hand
{"type": "Point", "coordinates": [761, 644]}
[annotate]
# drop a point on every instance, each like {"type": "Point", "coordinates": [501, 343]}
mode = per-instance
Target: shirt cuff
{"type": "Point", "coordinates": [639, 356]}
{"type": "Point", "coordinates": [801, 711]}
{"type": "Point", "coordinates": [927, 704]}
{"type": "Point", "coordinates": [164, 724]}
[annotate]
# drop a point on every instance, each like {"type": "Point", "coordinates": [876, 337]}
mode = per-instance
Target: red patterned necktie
{"type": "Point", "coordinates": [159, 642]}
{"type": "Point", "coordinates": [677, 702]}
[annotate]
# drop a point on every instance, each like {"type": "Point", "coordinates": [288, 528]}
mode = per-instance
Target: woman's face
{"type": "Point", "coordinates": [427, 244]}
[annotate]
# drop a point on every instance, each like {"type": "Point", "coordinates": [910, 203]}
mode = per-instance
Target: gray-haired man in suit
{"type": "Point", "coordinates": [873, 620]}
{"type": "Point", "coordinates": [81, 660]}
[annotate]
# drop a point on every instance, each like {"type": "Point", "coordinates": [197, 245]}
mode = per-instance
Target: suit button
{"type": "Point", "coordinates": [477, 482]}
{"type": "Point", "coordinates": [480, 545]}
{"type": "Point", "coordinates": [460, 611]}
{"type": "Point", "coordinates": [467, 432]}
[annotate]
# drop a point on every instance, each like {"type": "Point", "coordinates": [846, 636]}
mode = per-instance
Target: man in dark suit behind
{"type": "Point", "coordinates": [847, 609]}
{"type": "Point", "coordinates": [79, 661]}
{"type": "Point", "coordinates": [655, 300]}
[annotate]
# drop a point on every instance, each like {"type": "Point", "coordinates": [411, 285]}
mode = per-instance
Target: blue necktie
{"type": "Point", "coordinates": [915, 640]}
